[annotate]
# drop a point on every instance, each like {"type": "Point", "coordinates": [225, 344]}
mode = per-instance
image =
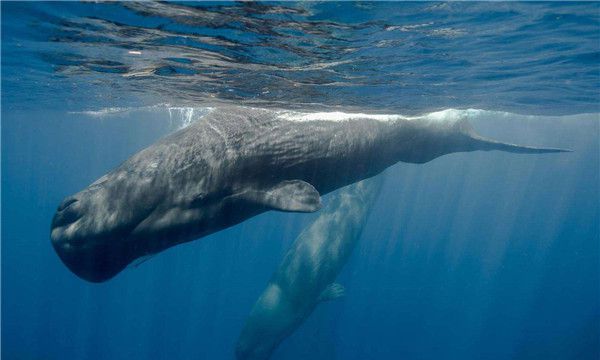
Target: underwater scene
{"type": "Point", "coordinates": [300, 180]}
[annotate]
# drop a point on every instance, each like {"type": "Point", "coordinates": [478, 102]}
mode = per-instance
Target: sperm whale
{"type": "Point", "coordinates": [307, 272]}
{"type": "Point", "coordinates": [233, 164]}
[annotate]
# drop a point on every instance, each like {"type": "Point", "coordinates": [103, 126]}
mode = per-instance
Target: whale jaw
{"type": "Point", "coordinates": [94, 263]}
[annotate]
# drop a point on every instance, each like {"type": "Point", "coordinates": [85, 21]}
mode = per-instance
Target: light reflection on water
{"type": "Point", "coordinates": [385, 57]}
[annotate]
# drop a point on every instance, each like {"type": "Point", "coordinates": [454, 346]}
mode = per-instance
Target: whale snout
{"type": "Point", "coordinates": [91, 255]}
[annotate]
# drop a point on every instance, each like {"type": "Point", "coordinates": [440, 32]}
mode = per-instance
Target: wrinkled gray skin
{"type": "Point", "coordinates": [306, 275]}
{"type": "Point", "coordinates": [231, 165]}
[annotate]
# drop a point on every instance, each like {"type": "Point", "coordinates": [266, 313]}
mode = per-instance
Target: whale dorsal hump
{"type": "Point", "coordinates": [288, 195]}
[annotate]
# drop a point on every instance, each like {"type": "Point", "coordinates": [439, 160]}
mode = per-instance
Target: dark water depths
{"type": "Point", "coordinates": [470, 256]}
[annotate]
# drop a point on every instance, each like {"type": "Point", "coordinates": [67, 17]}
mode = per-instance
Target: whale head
{"type": "Point", "coordinates": [272, 318]}
{"type": "Point", "coordinates": [133, 212]}
{"type": "Point", "coordinates": [91, 230]}
{"type": "Point", "coordinates": [89, 233]}
{"type": "Point", "coordinates": [258, 351]}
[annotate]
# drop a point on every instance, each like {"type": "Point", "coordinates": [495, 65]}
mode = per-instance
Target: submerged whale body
{"type": "Point", "coordinates": [233, 164]}
{"type": "Point", "coordinates": [307, 273]}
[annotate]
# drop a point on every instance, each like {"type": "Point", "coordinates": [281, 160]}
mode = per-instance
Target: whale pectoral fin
{"type": "Point", "coordinates": [332, 292]}
{"type": "Point", "coordinates": [289, 195]}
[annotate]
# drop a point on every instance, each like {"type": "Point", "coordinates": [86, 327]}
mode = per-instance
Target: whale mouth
{"type": "Point", "coordinates": [93, 258]}
{"type": "Point", "coordinates": [97, 264]}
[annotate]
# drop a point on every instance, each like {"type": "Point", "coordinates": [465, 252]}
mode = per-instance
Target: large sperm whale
{"type": "Point", "coordinates": [233, 164]}
{"type": "Point", "coordinates": [307, 272]}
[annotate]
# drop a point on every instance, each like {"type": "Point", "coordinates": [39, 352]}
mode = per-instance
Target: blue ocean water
{"type": "Point", "coordinates": [470, 256]}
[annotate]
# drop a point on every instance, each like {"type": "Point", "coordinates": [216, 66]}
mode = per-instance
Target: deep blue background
{"type": "Point", "coordinates": [470, 256]}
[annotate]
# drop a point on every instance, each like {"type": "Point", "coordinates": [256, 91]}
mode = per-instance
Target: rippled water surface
{"type": "Point", "coordinates": [383, 56]}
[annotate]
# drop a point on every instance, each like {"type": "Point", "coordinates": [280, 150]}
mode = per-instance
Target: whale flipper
{"type": "Point", "coordinates": [288, 195]}
{"type": "Point", "coordinates": [332, 291]}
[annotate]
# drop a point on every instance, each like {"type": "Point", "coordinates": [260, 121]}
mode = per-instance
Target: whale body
{"type": "Point", "coordinates": [235, 163]}
{"type": "Point", "coordinates": [307, 272]}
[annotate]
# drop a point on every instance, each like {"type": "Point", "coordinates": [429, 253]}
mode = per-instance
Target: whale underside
{"type": "Point", "coordinates": [235, 163]}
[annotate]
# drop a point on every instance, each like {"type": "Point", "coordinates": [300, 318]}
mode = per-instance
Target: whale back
{"type": "Point", "coordinates": [422, 140]}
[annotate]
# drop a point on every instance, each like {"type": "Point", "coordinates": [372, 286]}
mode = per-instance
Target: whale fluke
{"type": "Point", "coordinates": [478, 142]}
{"type": "Point", "coordinates": [485, 144]}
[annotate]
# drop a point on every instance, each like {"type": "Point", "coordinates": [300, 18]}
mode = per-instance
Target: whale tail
{"type": "Point", "coordinates": [459, 136]}
{"type": "Point", "coordinates": [485, 144]}
{"type": "Point", "coordinates": [478, 142]}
